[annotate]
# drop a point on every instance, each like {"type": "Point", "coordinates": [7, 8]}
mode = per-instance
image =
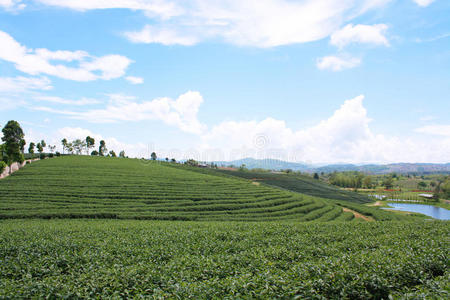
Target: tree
{"type": "Point", "coordinates": [40, 148]}
{"type": "Point", "coordinates": [316, 176]}
{"type": "Point", "coordinates": [90, 142]}
{"type": "Point", "coordinates": [422, 185]}
{"type": "Point", "coordinates": [22, 145]}
{"type": "Point", "coordinates": [102, 148]}
{"type": "Point", "coordinates": [122, 154]}
{"type": "Point", "coordinates": [153, 156]}
{"type": "Point", "coordinates": [388, 182]}
{"type": "Point", "coordinates": [52, 148]}
{"type": "Point", "coordinates": [173, 160]}
{"type": "Point", "coordinates": [79, 145]}
{"type": "Point", "coordinates": [13, 137]}
{"type": "Point", "coordinates": [64, 144]}
{"type": "Point", "coordinates": [94, 153]}
{"type": "Point", "coordinates": [31, 148]}
{"type": "Point", "coordinates": [167, 159]}
{"type": "Point", "coordinates": [43, 144]}
{"type": "Point", "coordinates": [112, 153]}
{"type": "Point", "coordinates": [367, 182]}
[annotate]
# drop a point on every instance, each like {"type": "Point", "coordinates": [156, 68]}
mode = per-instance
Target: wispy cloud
{"type": "Point", "coordinates": [181, 112]}
{"type": "Point", "coordinates": [134, 79]}
{"type": "Point", "coordinates": [59, 100]}
{"type": "Point", "coordinates": [441, 130]}
{"type": "Point", "coordinates": [41, 61]}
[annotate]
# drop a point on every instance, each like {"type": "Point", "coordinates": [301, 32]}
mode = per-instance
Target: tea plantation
{"type": "Point", "coordinates": [217, 260]}
{"type": "Point", "coordinates": [102, 187]}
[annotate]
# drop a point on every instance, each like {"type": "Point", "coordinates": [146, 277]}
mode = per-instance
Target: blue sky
{"type": "Point", "coordinates": [320, 81]}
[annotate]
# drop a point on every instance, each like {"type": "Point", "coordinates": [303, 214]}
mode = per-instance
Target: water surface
{"type": "Point", "coordinates": [429, 210]}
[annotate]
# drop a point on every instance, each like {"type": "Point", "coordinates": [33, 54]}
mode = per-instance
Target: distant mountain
{"type": "Point", "coordinates": [271, 164]}
{"type": "Point", "coordinates": [276, 165]}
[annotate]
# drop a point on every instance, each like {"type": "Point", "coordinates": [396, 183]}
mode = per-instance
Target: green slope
{"type": "Point", "coordinates": [296, 183]}
{"type": "Point", "coordinates": [100, 187]}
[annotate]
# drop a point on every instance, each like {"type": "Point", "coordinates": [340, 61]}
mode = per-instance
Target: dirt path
{"type": "Point", "coordinates": [358, 215]}
{"type": "Point", "coordinates": [378, 203]}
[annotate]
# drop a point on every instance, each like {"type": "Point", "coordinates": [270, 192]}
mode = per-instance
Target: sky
{"type": "Point", "coordinates": [312, 81]}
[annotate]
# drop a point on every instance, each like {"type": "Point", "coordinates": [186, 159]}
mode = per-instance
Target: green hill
{"type": "Point", "coordinates": [296, 183]}
{"type": "Point", "coordinates": [100, 187]}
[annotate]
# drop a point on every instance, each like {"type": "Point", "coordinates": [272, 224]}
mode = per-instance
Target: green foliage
{"type": "Point", "coordinates": [2, 166]}
{"type": "Point", "coordinates": [90, 142]}
{"type": "Point", "coordinates": [388, 182]}
{"type": "Point", "coordinates": [13, 137]}
{"type": "Point", "coordinates": [102, 148]}
{"type": "Point", "coordinates": [153, 156]}
{"type": "Point", "coordinates": [422, 185]}
{"type": "Point", "coordinates": [31, 148]}
{"type": "Point", "coordinates": [316, 176]}
{"type": "Point", "coordinates": [94, 153]}
{"type": "Point", "coordinates": [42, 156]}
{"type": "Point", "coordinates": [93, 187]}
{"type": "Point", "coordinates": [222, 260]}
{"type": "Point", "coordinates": [347, 179]}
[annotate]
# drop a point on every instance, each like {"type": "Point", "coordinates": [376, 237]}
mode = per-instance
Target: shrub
{"type": "Point", "coordinates": [50, 155]}
{"type": "Point", "coordinates": [58, 154]}
{"type": "Point", "coordinates": [42, 156]}
{"type": "Point", "coordinates": [2, 166]}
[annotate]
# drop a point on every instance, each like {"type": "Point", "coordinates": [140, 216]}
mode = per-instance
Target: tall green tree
{"type": "Point", "coordinates": [64, 144]}
{"type": "Point", "coordinates": [13, 137]}
{"type": "Point", "coordinates": [31, 148]}
{"type": "Point", "coordinates": [90, 142]}
{"type": "Point", "coordinates": [39, 147]}
{"type": "Point", "coordinates": [153, 156]}
{"type": "Point", "coordinates": [102, 148]}
{"type": "Point", "coordinates": [79, 145]}
{"type": "Point", "coordinates": [122, 154]}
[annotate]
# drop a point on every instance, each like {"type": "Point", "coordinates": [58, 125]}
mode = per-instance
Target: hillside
{"type": "Point", "coordinates": [300, 184]}
{"type": "Point", "coordinates": [100, 187]}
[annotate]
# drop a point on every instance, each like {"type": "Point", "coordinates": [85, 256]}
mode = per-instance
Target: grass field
{"type": "Point", "coordinates": [101, 187]}
{"type": "Point", "coordinates": [205, 260]}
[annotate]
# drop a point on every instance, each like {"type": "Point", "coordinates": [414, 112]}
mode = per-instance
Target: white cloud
{"type": "Point", "coordinates": [181, 112]}
{"type": "Point", "coordinates": [440, 130]}
{"type": "Point", "coordinates": [260, 23]}
{"type": "Point", "coordinates": [135, 80]}
{"type": "Point", "coordinates": [343, 137]}
{"type": "Point", "coordinates": [12, 4]}
{"type": "Point", "coordinates": [40, 61]}
{"type": "Point", "coordinates": [337, 63]}
{"type": "Point", "coordinates": [423, 3]}
{"type": "Point", "coordinates": [59, 100]}
{"type": "Point", "coordinates": [165, 36]}
{"type": "Point", "coordinates": [22, 84]}
{"type": "Point", "coordinates": [363, 34]}
{"type": "Point", "coordinates": [161, 8]}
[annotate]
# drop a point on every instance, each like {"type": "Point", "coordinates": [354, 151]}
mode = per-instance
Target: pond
{"type": "Point", "coordinates": [429, 210]}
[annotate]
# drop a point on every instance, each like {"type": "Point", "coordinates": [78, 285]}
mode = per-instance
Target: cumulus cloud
{"type": "Point", "coordinates": [42, 61]}
{"type": "Point", "coordinates": [423, 3]}
{"type": "Point", "coordinates": [337, 63]}
{"type": "Point", "coordinates": [344, 137]}
{"type": "Point", "coordinates": [181, 112]}
{"type": "Point", "coordinates": [135, 80]}
{"type": "Point", "coordinates": [23, 84]}
{"type": "Point", "coordinates": [260, 23]}
{"type": "Point", "coordinates": [363, 34]}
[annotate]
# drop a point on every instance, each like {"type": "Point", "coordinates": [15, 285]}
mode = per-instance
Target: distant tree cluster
{"type": "Point", "coordinates": [349, 180]}
{"type": "Point", "coordinates": [78, 146]}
